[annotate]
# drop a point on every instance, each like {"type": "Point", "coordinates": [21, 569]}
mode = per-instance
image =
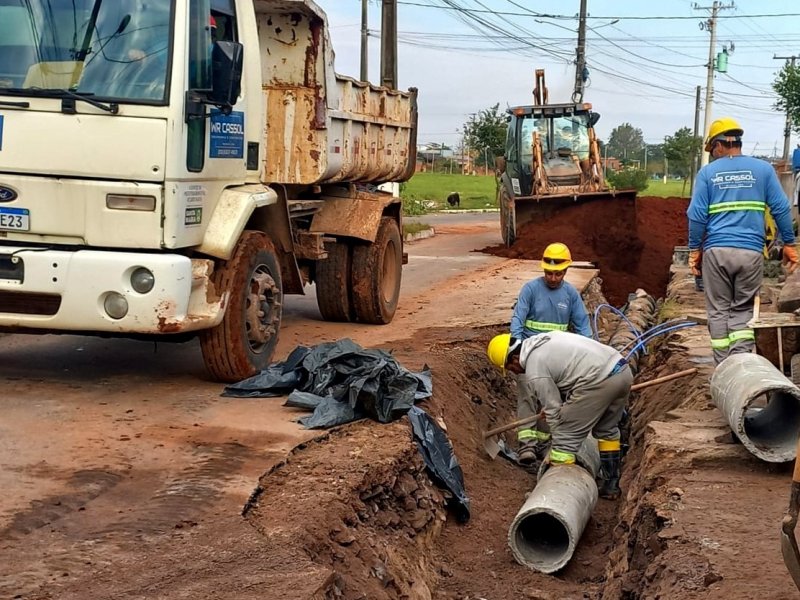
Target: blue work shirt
{"type": "Point", "coordinates": [729, 201]}
{"type": "Point", "coordinates": [541, 309]}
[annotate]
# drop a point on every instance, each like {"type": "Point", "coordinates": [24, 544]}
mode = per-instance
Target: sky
{"type": "Point", "coordinates": [645, 60]}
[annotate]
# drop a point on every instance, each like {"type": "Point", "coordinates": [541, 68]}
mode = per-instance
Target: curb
{"type": "Point", "coordinates": [465, 210]}
{"type": "Point", "coordinates": [420, 235]}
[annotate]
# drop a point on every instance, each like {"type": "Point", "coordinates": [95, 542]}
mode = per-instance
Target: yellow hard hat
{"type": "Point", "coordinates": [497, 350]}
{"type": "Point", "coordinates": [556, 257]}
{"type": "Point", "coordinates": [723, 126]}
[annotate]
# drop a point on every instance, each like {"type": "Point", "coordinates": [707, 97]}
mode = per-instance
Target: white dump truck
{"type": "Point", "coordinates": [175, 167]}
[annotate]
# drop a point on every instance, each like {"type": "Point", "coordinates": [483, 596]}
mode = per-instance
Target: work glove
{"type": "Point", "coordinates": [790, 258]}
{"type": "Point", "coordinates": [696, 262]}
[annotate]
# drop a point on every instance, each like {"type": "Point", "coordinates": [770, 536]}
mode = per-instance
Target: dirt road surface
{"type": "Point", "coordinates": [113, 451]}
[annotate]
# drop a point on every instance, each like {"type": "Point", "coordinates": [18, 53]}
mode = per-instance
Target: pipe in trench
{"type": "Point", "coordinates": [641, 311]}
{"type": "Point", "coordinates": [545, 532]}
{"type": "Point", "coordinates": [760, 404]}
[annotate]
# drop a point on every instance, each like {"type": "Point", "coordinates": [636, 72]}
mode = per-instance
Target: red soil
{"type": "Point", "coordinates": [631, 250]}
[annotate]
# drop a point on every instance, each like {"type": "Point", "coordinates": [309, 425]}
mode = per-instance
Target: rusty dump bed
{"type": "Point", "coordinates": [322, 127]}
{"type": "Point", "coordinates": [620, 205]}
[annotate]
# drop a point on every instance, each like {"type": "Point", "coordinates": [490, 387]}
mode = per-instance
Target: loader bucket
{"type": "Point", "coordinates": [618, 206]}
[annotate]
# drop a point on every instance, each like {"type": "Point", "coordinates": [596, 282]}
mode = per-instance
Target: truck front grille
{"type": "Point", "coordinates": [25, 303]}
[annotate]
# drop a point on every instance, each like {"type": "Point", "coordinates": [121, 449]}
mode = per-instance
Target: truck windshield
{"type": "Point", "coordinates": [114, 49]}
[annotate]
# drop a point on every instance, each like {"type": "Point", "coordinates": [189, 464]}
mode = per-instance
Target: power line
{"type": "Point", "coordinates": [606, 17]}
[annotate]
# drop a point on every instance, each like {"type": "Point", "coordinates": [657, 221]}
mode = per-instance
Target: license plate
{"type": "Point", "coordinates": [15, 219]}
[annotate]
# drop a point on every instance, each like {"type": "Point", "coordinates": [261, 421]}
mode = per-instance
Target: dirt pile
{"type": "Point", "coordinates": [632, 250]}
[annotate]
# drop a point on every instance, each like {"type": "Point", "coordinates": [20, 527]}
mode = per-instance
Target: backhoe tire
{"type": "Point", "coordinates": [244, 342]}
{"type": "Point", "coordinates": [333, 283]}
{"type": "Point", "coordinates": [376, 275]}
{"type": "Point", "coordinates": [507, 222]}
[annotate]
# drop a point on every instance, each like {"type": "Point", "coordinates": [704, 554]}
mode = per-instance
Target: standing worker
{"type": "Point", "coordinates": [583, 387]}
{"type": "Point", "coordinates": [726, 235]}
{"type": "Point", "coordinates": [547, 303]}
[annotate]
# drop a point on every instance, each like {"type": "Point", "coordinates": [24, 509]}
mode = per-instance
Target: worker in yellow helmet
{"type": "Point", "coordinates": [583, 387]}
{"type": "Point", "coordinates": [726, 235]}
{"type": "Point", "coordinates": [547, 303]}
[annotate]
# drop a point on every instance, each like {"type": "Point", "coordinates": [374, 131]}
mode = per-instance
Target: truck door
{"type": "Point", "coordinates": [216, 143]}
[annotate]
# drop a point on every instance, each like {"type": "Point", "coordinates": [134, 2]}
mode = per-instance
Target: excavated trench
{"type": "Point", "coordinates": [353, 514]}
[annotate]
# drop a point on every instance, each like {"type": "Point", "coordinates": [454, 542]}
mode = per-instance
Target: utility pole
{"type": "Point", "coordinates": [580, 55]}
{"type": "Point", "coordinates": [787, 129]}
{"type": "Point", "coordinates": [711, 26]}
{"type": "Point", "coordinates": [696, 127]}
{"type": "Point", "coordinates": [389, 44]}
{"type": "Point", "coordinates": [364, 37]}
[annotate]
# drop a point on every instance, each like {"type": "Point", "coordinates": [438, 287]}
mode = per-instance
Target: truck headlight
{"type": "Point", "coordinates": [116, 305]}
{"type": "Point", "coordinates": [142, 280]}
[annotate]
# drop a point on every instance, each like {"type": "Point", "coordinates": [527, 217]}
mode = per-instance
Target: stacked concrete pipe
{"type": "Point", "coordinates": [546, 530]}
{"type": "Point", "coordinates": [738, 386]}
{"type": "Point", "coordinates": [641, 311]}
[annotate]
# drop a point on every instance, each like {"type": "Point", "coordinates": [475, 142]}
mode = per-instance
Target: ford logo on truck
{"type": "Point", "coordinates": [7, 194]}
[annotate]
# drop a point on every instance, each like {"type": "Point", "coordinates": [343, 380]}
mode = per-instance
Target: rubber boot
{"type": "Point", "coordinates": [610, 464]}
{"type": "Point", "coordinates": [527, 453]}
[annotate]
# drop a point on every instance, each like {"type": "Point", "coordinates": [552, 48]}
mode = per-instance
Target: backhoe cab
{"type": "Point", "coordinates": [551, 155]}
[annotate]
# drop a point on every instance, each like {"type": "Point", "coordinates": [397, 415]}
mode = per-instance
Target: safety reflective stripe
{"type": "Point", "coordinates": [608, 445]}
{"type": "Point", "coordinates": [525, 435]}
{"type": "Point", "coordinates": [742, 334]}
{"type": "Point", "coordinates": [720, 343]}
{"type": "Point", "coordinates": [542, 326]}
{"type": "Point", "coordinates": [741, 205]}
{"type": "Point", "coordinates": [561, 458]}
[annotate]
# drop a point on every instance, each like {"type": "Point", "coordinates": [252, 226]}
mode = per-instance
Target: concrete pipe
{"type": "Point", "coordinates": [546, 530]}
{"type": "Point", "coordinates": [760, 404]}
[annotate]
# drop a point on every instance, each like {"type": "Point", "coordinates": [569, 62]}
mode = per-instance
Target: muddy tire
{"type": "Point", "coordinates": [507, 225]}
{"type": "Point", "coordinates": [243, 343]}
{"type": "Point", "coordinates": [333, 283]}
{"type": "Point", "coordinates": [376, 274]}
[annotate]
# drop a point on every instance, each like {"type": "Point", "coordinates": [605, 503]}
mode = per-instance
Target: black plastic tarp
{"type": "Point", "coordinates": [341, 382]}
{"type": "Point", "coordinates": [437, 452]}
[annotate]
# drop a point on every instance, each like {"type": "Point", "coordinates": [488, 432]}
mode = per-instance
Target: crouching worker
{"type": "Point", "coordinates": [582, 386]}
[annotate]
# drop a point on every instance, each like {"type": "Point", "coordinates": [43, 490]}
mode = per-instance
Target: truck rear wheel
{"type": "Point", "coordinates": [507, 222]}
{"type": "Point", "coordinates": [244, 342]}
{"type": "Point", "coordinates": [376, 275]}
{"type": "Point", "coordinates": [333, 283]}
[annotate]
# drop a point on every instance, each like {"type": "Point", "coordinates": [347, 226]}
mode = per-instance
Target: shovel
{"type": "Point", "coordinates": [493, 448]}
{"type": "Point", "coordinates": [789, 549]}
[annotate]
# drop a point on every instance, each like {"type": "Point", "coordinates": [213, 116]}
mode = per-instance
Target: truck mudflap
{"type": "Point", "coordinates": [96, 291]}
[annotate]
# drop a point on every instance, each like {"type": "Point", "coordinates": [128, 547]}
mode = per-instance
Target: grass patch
{"type": "Point", "coordinates": [414, 228]}
{"type": "Point", "coordinates": [431, 190]}
{"type": "Point", "coordinates": [673, 188]}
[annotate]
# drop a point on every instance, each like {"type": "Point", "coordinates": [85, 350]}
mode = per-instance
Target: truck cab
{"type": "Point", "coordinates": [174, 168]}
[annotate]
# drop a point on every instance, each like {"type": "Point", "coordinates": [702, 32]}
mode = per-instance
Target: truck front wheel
{"type": "Point", "coordinates": [376, 274]}
{"type": "Point", "coordinates": [243, 343]}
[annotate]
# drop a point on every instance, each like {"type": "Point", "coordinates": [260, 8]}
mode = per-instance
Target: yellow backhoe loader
{"type": "Point", "coordinates": [551, 159]}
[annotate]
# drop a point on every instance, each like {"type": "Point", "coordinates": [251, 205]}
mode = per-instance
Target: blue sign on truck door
{"type": "Point", "coordinates": [227, 135]}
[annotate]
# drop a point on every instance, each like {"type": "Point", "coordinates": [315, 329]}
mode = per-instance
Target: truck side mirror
{"type": "Point", "coordinates": [500, 164]}
{"type": "Point", "coordinates": [593, 118]}
{"type": "Point", "coordinates": [227, 59]}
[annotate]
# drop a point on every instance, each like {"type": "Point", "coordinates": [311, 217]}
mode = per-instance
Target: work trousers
{"type": "Point", "coordinates": [732, 278]}
{"type": "Point", "coordinates": [596, 408]}
{"type": "Point", "coordinates": [527, 406]}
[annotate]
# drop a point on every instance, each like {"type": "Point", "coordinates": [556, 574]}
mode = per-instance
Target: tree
{"type": "Point", "coordinates": [787, 86]}
{"type": "Point", "coordinates": [486, 130]}
{"type": "Point", "coordinates": [679, 149]}
{"type": "Point", "coordinates": [626, 143]}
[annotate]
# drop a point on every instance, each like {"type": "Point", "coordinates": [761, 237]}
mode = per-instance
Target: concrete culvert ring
{"type": "Point", "coordinates": [542, 539]}
{"type": "Point", "coordinates": [768, 429]}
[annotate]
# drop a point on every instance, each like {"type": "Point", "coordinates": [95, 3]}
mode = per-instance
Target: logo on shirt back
{"type": "Point", "coordinates": [726, 180]}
